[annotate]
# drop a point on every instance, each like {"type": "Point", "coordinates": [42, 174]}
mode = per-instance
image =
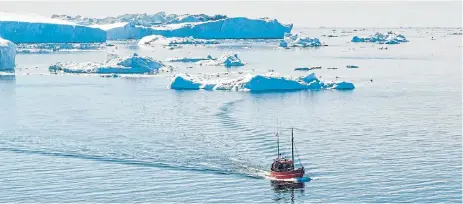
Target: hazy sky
{"type": "Point", "coordinates": [302, 13]}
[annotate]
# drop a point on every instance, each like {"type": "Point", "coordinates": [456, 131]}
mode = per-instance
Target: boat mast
{"type": "Point", "coordinates": [292, 146]}
{"type": "Point", "coordinates": [278, 146]}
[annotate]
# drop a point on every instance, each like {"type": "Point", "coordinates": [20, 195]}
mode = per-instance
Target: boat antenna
{"type": "Point", "coordinates": [278, 141]}
{"type": "Point", "coordinates": [292, 146]}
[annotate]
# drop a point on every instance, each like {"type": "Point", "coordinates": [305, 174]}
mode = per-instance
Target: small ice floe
{"type": "Point", "coordinates": [383, 48]}
{"type": "Point", "coordinates": [332, 68]}
{"type": "Point", "coordinates": [291, 40]}
{"type": "Point", "coordinates": [257, 83]}
{"type": "Point", "coordinates": [302, 69]}
{"type": "Point", "coordinates": [382, 38]}
{"type": "Point", "coordinates": [161, 40]}
{"type": "Point", "coordinates": [227, 60]}
{"type": "Point", "coordinates": [352, 66]}
{"type": "Point", "coordinates": [129, 65]}
{"type": "Point", "coordinates": [189, 59]}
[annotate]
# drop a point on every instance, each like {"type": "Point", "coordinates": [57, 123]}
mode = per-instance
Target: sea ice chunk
{"type": "Point", "coordinates": [189, 59]}
{"type": "Point", "coordinates": [161, 40]}
{"type": "Point", "coordinates": [130, 65]}
{"type": "Point", "coordinates": [382, 38]}
{"type": "Point", "coordinates": [227, 60]}
{"type": "Point", "coordinates": [7, 55]}
{"type": "Point", "coordinates": [291, 40]}
{"type": "Point", "coordinates": [258, 83]}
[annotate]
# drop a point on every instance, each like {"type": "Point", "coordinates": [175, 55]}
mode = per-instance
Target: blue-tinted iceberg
{"type": "Point", "coordinates": [130, 65]}
{"type": "Point", "coordinates": [7, 55]}
{"type": "Point", "coordinates": [39, 29]}
{"type": "Point", "coordinates": [221, 28]}
{"type": "Point", "coordinates": [227, 60]}
{"type": "Point", "coordinates": [256, 83]}
{"type": "Point", "coordinates": [161, 40]}
{"type": "Point", "coordinates": [382, 38]}
{"type": "Point", "coordinates": [291, 40]}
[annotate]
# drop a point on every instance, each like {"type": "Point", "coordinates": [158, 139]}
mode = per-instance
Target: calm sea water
{"type": "Point", "coordinates": [69, 138]}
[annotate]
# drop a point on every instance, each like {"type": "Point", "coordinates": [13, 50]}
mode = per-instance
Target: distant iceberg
{"type": "Point", "coordinates": [189, 59]}
{"type": "Point", "coordinates": [291, 40]}
{"type": "Point", "coordinates": [7, 55]}
{"type": "Point", "coordinates": [227, 60]}
{"type": "Point", "coordinates": [256, 83]}
{"type": "Point", "coordinates": [382, 38]}
{"type": "Point", "coordinates": [39, 29]}
{"type": "Point", "coordinates": [220, 28]}
{"type": "Point", "coordinates": [161, 40]}
{"type": "Point", "coordinates": [129, 65]}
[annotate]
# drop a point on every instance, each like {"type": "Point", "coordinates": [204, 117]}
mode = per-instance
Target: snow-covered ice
{"type": "Point", "coordinates": [161, 40]}
{"type": "Point", "coordinates": [7, 55]}
{"type": "Point", "coordinates": [30, 28]}
{"type": "Point", "coordinates": [291, 40]}
{"type": "Point", "coordinates": [189, 59]}
{"type": "Point", "coordinates": [227, 60]}
{"type": "Point", "coordinates": [382, 38]}
{"type": "Point", "coordinates": [129, 65]}
{"type": "Point", "coordinates": [221, 28]}
{"type": "Point", "coordinates": [142, 19]}
{"type": "Point", "coordinates": [256, 83]}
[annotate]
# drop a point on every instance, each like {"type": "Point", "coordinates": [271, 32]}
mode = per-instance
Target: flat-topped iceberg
{"type": "Point", "coordinates": [227, 60]}
{"type": "Point", "coordinates": [382, 38]}
{"type": "Point", "coordinates": [256, 83]}
{"type": "Point", "coordinates": [38, 29]}
{"type": "Point", "coordinates": [129, 65]}
{"type": "Point", "coordinates": [7, 55]}
{"type": "Point", "coordinates": [291, 40]}
{"type": "Point", "coordinates": [189, 59]}
{"type": "Point", "coordinates": [220, 28]}
{"type": "Point", "coordinates": [161, 40]}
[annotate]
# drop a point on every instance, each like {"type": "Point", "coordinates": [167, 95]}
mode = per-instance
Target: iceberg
{"type": "Point", "coordinates": [256, 83]}
{"type": "Point", "coordinates": [38, 29]}
{"type": "Point", "coordinates": [210, 28]}
{"type": "Point", "coordinates": [227, 60]}
{"type": "Point", "coordinates": [129, 65]}
{"type": "Point", "coordinates": [161, 40]}
{"type": "Point", "coordinates": [291, 40]}
{"type": "Point", "coordinates": [352, 66]}
{"type": "Point", "coordinates": [140, 19]}
{"type": "Point", "coordinates": [189, 59]}
{"type": "Point", "coordinates": [7, 55]}
{"type": "Point", "coordinates": [382, 38]}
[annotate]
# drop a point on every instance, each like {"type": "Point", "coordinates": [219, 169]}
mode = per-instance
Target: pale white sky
{"type": "Point", "coordinates": [301, 13]}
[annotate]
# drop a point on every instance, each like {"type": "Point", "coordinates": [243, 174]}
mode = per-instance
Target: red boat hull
{"type": "Point", "coordinates": [298, 173]}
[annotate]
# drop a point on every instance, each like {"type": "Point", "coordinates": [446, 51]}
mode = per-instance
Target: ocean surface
{"type": "Point", "coordinates": [396, 138]}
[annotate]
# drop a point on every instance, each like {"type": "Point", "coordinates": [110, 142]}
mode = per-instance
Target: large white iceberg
{"type": "Point", "coordinates": [222, 28]}
{"type": "Point", "coordinates": [256, 83]}
{"type": "Point", "coordinates": [291, 40]}
{"type": "Point", "coordinates": [129, 65]}
{"type": "Point", "coordinates": [38, 29]}
{"type": "Point", "coordinates": [7, 55]}
{"type": "Point", "coordinates": [382, 38]}
{"type": "Point", "coordinates": [161, 40]}
{"type": "Point", "coordinates": [227, 60]}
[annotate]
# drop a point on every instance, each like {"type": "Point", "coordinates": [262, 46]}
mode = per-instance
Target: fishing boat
{"type": "Point", "coordinates": [283, 168]}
